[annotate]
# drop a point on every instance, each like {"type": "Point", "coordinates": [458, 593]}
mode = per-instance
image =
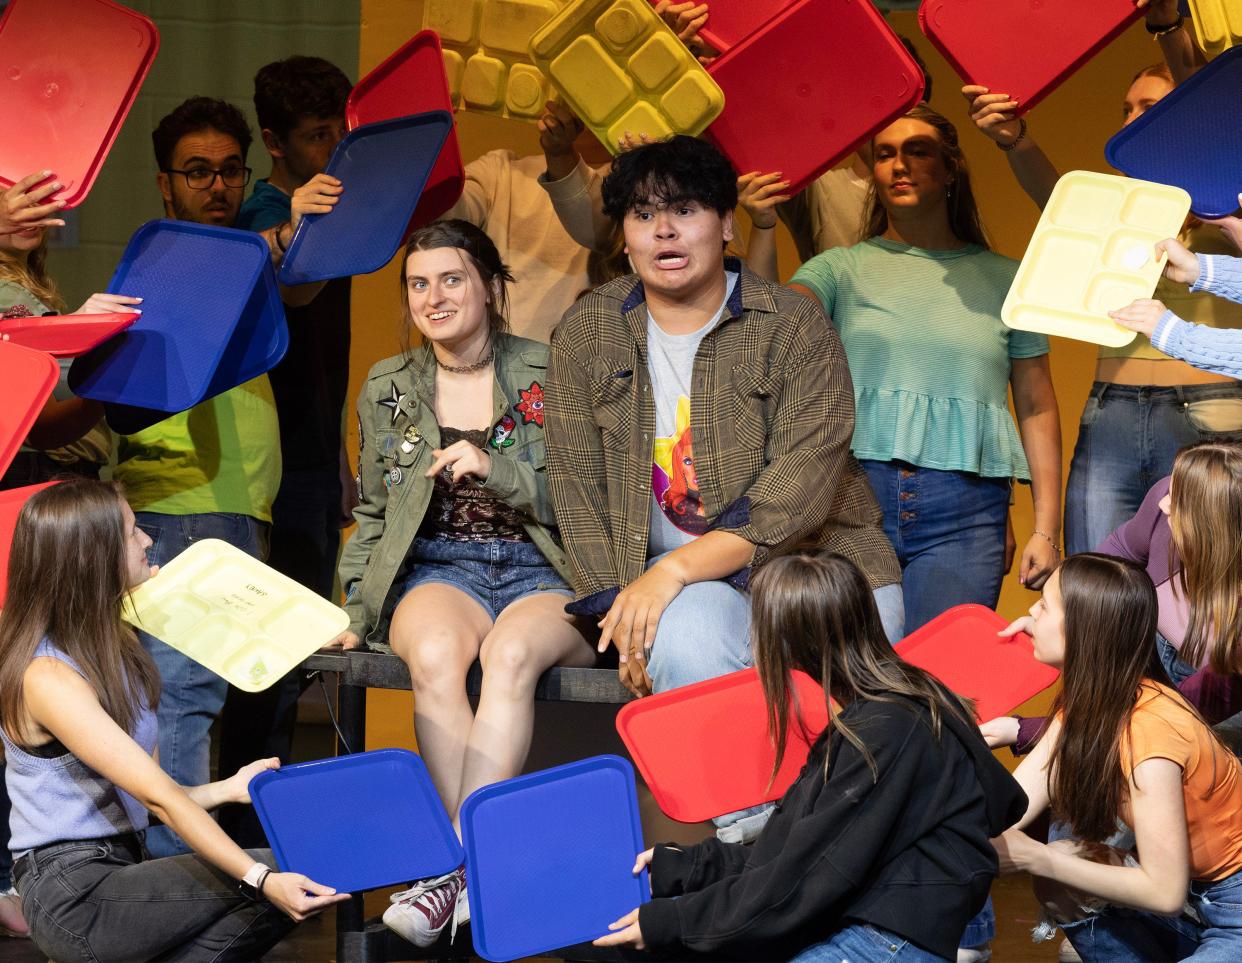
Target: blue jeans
{"type": "Point", "coordinates": [948, 530]}
{"type": "Point", "coordinates": [1126, 442]}
{"type": "Point", "coordinates": [1120, 935]}
{"type": "Point", "coordinates": [864, 943]}
{"type": "Point", "coordinates": [1171, 659]}
{"type": "Point", "coordinates": [705, 632]}
{"type": "Point", "coordinates": [192, 695]}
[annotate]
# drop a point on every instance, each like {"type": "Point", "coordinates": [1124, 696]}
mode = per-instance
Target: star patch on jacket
{"type": "Point", "coordinates": [393, 402]}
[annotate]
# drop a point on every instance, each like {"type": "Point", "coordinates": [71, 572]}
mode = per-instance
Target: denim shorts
{"type": "Point", "coordinates": [495, 574]}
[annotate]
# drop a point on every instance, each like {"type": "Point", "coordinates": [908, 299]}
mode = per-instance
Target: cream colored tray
{"type": "Point", "coordinates": [231, 613]}
{"type": "Point", "coordinates": [1091, 253]}
{"type": "Point", "coordinates": [1218, 24]}
{"type": "Point", "coordinates": [621, 68]}
{"type": "Point", "coordinates": [486, 53]}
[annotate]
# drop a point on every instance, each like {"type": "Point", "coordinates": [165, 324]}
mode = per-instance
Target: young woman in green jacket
{"type": "Point", "coordinates": [455, 552]}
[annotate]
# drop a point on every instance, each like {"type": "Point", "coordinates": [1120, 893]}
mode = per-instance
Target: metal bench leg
{"type": "Point", "coordinates": [351, 924]}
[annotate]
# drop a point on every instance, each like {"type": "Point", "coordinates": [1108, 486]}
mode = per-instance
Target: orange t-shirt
{"type": "Point", "coordinates": [1163, 727]}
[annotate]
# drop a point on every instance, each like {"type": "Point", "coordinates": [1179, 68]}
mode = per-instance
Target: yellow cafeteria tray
{"type": "Point", "coordinates": [486, 53]}
{"type": "Point", "coordinates": [621, 68]}
{"type": "Point", "coordinates": [1091, 253]}
{"type": "Point", "coordinates": [232, 614]}
{"type": "Point", "coordinates": [1218, 24]}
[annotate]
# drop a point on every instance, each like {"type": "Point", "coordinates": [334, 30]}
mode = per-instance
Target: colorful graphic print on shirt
{"type": "Point", "coordinates": [673, 479]}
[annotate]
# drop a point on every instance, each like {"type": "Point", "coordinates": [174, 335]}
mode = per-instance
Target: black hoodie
{"type": "Point", "coordinates": [907, 852]}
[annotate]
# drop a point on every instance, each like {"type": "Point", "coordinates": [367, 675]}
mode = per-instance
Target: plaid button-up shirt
{"type": "Point", "coordinates": [772, 409]}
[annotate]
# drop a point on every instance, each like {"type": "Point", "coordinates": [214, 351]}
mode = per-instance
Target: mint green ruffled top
{"type": "Point", "coordinates": [928, 353]}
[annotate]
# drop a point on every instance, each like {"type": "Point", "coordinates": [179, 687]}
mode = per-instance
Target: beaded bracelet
{"type": "Point", "coordinates": [1017, 140]}
{"type": "Point", "coordinates": [1051, 541]}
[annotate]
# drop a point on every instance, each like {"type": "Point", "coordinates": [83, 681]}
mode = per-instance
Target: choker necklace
{"type": "Point", "coordinates": [467, 368]}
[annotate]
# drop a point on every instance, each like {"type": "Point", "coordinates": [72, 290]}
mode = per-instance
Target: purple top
{"type": "Point", "coordinates": [1147, 540]}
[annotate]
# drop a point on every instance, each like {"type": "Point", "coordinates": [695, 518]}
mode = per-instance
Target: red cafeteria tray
{"type": "Point", "coordinates": [961, 648]}
{"type": "Point", "coordinates": [71, 70]}
{"type": "Point", "coordinates": [729, 22]}
{"type": "Point", "coordinates": [11, 502]}
{"type": "Point", "coordinates": [704, 749]}
{"type": "Point", "coordinates": [1024, 48]}
{"type": "Point", "coordinates": [67, 335]}
{"type": "Point", "coordinates": [26, 380]}
{"type": "Point", "coordinates": [809, 87]}
{"type": "Point", "coordinates": [412, 81]}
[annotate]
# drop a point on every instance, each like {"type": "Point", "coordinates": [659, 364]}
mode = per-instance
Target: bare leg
{"type": "Point", "coordinates": [437, 631]}
{"type": "Point", "coordinates": [531, 635]}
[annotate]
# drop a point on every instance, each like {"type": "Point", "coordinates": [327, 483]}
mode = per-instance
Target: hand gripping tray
{"type": "Point", "coordinates": [1024, 48]}
{"type": "Point", "coordinates": [960, 647]}
{"type": "Point", "coordinates": [234, 615]}
{"type": "Point", "coordinates": [794, 106]}
{"type": "Point", "coordinates": [704, 749]}
{"type": "Point", "coordinates": [71, 70]}
{"type": "Point", "coordinates": [382, 168]}
{"type": "Point", "coordinates": [1091, 253]}
{"type": "Point", "coordinates": [357, 822]}
{"type": "Point", "coordinates": [211, 319]}
{"type": "Point", "coordinates": [549, 857]}
{"type": "Point", "coordinates": [729, 22]}
{"type": "Point", "coordinates": [67, 335]}
{"type": "Point", "coordinates": [1192, 138]}
{"type": "Point", "coordinates": [412, 81]}
{"type": "Point", "coordinates": [621, 68]}
{"type": "Point", "coordinates": [27, 377]}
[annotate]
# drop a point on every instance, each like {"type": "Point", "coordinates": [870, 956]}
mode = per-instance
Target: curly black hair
{"type": "Point", "coordinates": [194, 115]}
{"type": "Point", "coordinates": [287, 91]}
{"type": "Point", "coordinates": [669, 172]}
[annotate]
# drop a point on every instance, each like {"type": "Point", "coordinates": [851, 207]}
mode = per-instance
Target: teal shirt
{"type": "Point", "coordinates": [928, 353]}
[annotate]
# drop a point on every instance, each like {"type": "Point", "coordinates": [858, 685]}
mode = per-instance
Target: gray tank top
{"type": "Point", "coordinates": [61, 799]}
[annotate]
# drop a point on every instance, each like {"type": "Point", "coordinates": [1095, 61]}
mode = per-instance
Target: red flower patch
{"type": "Point", "coordinates": [531, 405]}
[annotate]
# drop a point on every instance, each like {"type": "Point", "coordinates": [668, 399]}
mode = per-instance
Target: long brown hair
{"type": "Point", "coordinates": [1110, 651]}
{"type": "Point", "coordinates": [479, 251]}
{"type": "Point", "coordinates": [815, 613]}
{"type": "Point", "coordinates": [964, 219]}
{"type": "Point", "coordinates": [1206, 512]}
{"type": "Point", "coordinates": [67, 579]}
{"type": "Point", "coordinates": [31, 273]}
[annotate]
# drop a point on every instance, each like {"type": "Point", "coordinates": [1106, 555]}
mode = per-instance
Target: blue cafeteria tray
{"type": "Point", "coordinates": [383, 168]}
{"type": "Point", "coordinates": [208, 295]}
{"type": "Point", "coordinates": [549, 855]}
{"type": "Point", "coordinates": [357, 822]}
{"type": "Point", "coordinates": [1191, 139]}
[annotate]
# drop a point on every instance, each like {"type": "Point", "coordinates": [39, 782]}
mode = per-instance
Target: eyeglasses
{"type": "Point", "coordinates": [202, 178]}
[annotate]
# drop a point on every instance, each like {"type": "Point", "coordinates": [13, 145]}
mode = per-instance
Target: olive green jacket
{"type": "Point", "coordinates": [397, 430]}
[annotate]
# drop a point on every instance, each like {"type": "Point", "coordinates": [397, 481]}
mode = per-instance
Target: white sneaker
{"type": "Point", "coordinates": [974, 954]}
{"type": "Point", "coordinates": [1067, 954]}
{"type": "Point", "coordinates": [420, 913]}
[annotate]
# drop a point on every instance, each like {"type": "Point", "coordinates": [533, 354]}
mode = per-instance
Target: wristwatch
{"type": "Point", "coordinates": [251, 885]}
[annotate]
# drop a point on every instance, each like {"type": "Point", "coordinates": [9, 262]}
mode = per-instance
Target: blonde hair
{"type": "Point", "coordinates": [31, 273]}
{"type": "Point", "coordinates": [1205, 515]}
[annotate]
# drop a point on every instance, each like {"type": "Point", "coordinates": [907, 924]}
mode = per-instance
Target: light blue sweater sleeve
{"type": "Point", "coordinates": [1218, 350]}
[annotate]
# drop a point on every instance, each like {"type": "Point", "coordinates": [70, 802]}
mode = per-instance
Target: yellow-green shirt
{"type": "Point", "coordinates": [222, 455]}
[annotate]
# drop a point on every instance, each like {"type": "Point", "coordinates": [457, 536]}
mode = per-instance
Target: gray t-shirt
{"type": "Point", "coordinates": [677, 515]}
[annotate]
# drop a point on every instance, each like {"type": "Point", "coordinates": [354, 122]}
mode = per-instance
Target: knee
{"type": "Point", "coordinates": [704, 633]}
{"type": "Point", "coordinates": [436, 655]}
{"type": "Point", "coordinates": [509, 663]}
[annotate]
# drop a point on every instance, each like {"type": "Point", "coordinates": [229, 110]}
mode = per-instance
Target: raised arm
{"type": "Point", "coordinates": [1181, 53]}
{"type": "Point", "coordinates": [572, 185]}
{"type": "Point", "coordinates": [993, 114]}
{"type": "Point", "coordinates": [759, 194]}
